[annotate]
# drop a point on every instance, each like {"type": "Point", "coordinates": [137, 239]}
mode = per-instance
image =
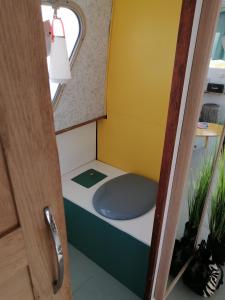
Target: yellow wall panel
{"type": "Point", "coordinates": [141, 57]}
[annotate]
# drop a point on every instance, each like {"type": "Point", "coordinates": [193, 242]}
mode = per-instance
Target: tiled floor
{"type": "Point", "coordinates": [90, 282]}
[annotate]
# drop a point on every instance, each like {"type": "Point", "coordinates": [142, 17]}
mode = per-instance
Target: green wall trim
{"type": "Point", "coordinates": [121, 255]}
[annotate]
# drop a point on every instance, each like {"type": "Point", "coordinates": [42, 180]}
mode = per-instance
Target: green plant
{"type": "Point", "coordinates": [217, 216]}
{"type": "Point", "coordinates": [198, 191]}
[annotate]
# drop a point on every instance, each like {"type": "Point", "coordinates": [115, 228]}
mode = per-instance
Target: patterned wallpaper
{"type": "Point", "coordinates": [83, 97]}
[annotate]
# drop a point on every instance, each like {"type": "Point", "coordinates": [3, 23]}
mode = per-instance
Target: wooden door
{"type": "Point", "coordinates": [29, 167]}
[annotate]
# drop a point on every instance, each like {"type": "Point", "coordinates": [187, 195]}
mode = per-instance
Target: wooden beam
{"type": "Point", "coordinates": [80, 125]}
{"type": "Point", "coordinates": [205, 36]}
{"type": "Point", "coordinates": [181, 57]}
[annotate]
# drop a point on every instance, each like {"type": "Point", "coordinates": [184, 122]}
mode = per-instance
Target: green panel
{"type": "Point", "coordinates": [89, 178]}
{"type": "Point", "coordinates": [118, 253]}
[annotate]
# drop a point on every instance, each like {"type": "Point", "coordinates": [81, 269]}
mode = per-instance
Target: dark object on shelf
{"type": "Point", "coordinates": [203, 276]}
{"type": "Point", "coordinates": [183, 249]}
{"type": "Point", "coordinates": [209, 113]}
{"type": "Point", "coordinates": [217, 250]}
{"type": "Point", "coordinates": [215, 88]}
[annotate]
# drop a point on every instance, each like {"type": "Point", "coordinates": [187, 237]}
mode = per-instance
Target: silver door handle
{"type": "Point", "coordinates": [58, 249]}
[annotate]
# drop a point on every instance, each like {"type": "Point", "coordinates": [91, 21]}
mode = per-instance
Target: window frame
{"type": "Point", "coordinates": [82, 31]}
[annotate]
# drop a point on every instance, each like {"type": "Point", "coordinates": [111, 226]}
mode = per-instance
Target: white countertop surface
{"type": "Point", "coordinates": [139, 228]}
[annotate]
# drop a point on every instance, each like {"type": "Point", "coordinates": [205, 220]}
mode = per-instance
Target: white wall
{"type": "Point", "coordinates": [76, 147]}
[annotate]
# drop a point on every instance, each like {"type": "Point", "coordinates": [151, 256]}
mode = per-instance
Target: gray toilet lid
{"type": "Point", "coordinates": [125, 197]}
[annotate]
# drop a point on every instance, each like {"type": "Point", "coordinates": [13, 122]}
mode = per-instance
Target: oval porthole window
{"type": "Point", "coordinates": [73, 23]}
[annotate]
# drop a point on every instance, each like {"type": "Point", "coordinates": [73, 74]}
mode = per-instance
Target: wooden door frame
{"type": "Point", "coordinates": [180, 64]}
{"type": "Point", "coordinates": [204, 39]}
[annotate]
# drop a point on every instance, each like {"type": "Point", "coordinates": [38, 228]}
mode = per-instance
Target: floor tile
{"type": "Point", "coordinates": [80, 268]}
{"type": "Point", "coordinates": [90, 282]}
{"type": "Point", "coordinates": [101, 288]}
